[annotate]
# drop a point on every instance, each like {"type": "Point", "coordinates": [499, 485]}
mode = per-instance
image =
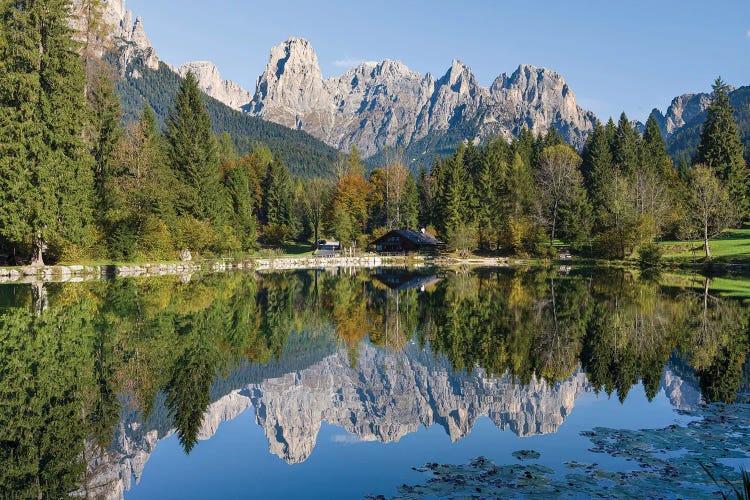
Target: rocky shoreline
{"type": "Point", "coordinates": [79, 273]}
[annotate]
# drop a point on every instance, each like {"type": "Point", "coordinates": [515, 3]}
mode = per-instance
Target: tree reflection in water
{"type": "Point", "coordinates": [76, 359]}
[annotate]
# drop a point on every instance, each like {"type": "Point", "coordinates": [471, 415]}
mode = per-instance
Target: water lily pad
{"type": "Point", "coordinates": [666, 464]}
{"type": "Point", "coordinates": [526, 455]}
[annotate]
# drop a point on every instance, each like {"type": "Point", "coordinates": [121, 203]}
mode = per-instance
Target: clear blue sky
{"type": "Point", "coordinates": [629, 55]}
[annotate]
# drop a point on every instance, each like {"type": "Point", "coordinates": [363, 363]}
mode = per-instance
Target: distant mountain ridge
{"type": "Point", "coordinates": [385, 104]}
{"type": "Point", "coordinates": [143, 76]}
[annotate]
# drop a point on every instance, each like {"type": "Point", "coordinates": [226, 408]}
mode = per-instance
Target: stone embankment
{"type": "Point", "coordinates": [78, 273]}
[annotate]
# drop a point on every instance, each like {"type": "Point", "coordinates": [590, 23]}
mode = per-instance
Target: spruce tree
{"type": "Point", "coordinates": [106, 128]}
{"type": "Point", "coordinates": [410, 203]}
{"type": "Point", "coordinates": [46, 179]}
{"type": "Point", "coordinates": [193, 154]}
{"type": "Point", "coordinates": [487, 182]}
{"type": "Point", "coordinates": [654, 149]}
{"type": "Point", "coordinates": [626, 146]}
{"type": "Point", "coordinates": [426, 188]}
{"type": "Point", "coordinates": [720, 147]}
{"type": "Point", "coordinates": [278, 200]}
{"type": "Point", "coordinates": [598, 160]}
{"type": "Point", "coordinates": [453, 193]}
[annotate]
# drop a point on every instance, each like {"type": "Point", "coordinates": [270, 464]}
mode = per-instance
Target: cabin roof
{"type": "Point", "coordinates": [421, 239]}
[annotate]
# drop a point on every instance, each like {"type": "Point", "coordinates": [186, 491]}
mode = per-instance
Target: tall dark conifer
{"type": "Point", "coordinates": [626, 146]}
{"type": "Point", "coordinates": [653, 148]}
{"type": "Point", "coordinates": [106, 128]}
{"type": "Point", "coordinates": [46, 179]}
{"type": "Point", "coordinates": [278, 201]}
{"type": "Point", "coordinates": [721, 149]}
{"type": "Point", "coordinates": [193, 154]}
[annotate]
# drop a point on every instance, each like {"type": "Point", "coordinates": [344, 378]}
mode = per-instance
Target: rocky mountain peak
{"type": "Point", "coordinates": [386, 104]}
{"type": "Point", "coordinates": [139, 36]}
{"type": "Point", "coordinates": [681, 110]}
{"type": "Point", "coordinates": [460, 78]}
{"type": "Point", "coordinates": [210, 82]}
{"type": "Point", "coordinates": [129, 37]}
{"type": "Point", "coordinates": [291, 85]}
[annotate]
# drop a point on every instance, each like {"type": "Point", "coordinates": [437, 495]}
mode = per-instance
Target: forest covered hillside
{"type": "Point", "coordinates": [305, 155]}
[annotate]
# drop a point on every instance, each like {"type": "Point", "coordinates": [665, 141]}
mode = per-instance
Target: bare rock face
{"type": "Point", "coordinates": [683, 109]}
{"type": "Point", "coordinates": [127, 36]}
{"type": "Point", "coordinates": [386, 104]}
{"type": "Point", "coordinates": [539, 99]}
{"type": "Point", "coordinates": [210, 82]}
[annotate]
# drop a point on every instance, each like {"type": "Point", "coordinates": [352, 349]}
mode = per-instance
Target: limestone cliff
{"type": "Point", "coordinates": [385, 104]}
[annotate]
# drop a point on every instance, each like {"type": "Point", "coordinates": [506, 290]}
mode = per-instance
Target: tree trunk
{"type": "Point", "coordinates": [38, 248]}
{"type": "Point", "coordinates": [554, 224]}
{"type": "Point", "coordinates": [705, 241]}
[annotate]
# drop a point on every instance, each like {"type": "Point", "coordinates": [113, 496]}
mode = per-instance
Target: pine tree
{"type": "Point", "coordinates": [487, 183]}
{"type": "Point", "coordinates": [626, 146]}
{"type": "Point", "coordinates": [226, 149]}
{"type": "Point", "coordinates": [238, 185]}
{"type": "Point", "coordinates": [106, 128]}
{"type": "Point", "coordinates": [193, 154]}
{"type": "Point", "coordinates": [654, 149]}
{"type": "Point", "coordinates": [720, 148]}
{"type": "Point", "coordinates": [139, 193]}
{"type": "Point", "coordinates": [426, 188]}
{"type": "Point", "coordinates": [410, 203]}
{"type": "Point", "coordinates": [46, 174]}
{"type": "Point", "coordinates": [453, 193]}
{"type": "Point", "coordinates": [598, 161]}
{"type": "Point", "coordinates": [278, 201]}
{"type": "Point", "coordinates": [354, 162]}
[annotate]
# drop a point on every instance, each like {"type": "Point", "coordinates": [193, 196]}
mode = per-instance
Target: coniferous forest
{"type": "Point", "coordinates": [88, 175]}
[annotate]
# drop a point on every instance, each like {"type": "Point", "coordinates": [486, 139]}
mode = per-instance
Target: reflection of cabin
{"type": "Point", "coordinates": [396, 280]}
{"type": "Point", "coordinates": [405, 241]}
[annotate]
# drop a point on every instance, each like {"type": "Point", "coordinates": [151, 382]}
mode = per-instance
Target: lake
{"type": "Point", "coordinates": [375, 383]}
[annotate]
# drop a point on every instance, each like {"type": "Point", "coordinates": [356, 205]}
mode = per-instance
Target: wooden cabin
{"type": "Point", "coordinates": [406, 241]}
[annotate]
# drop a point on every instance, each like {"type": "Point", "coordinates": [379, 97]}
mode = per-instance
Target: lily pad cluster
{"type": "Point", "coordinates": [665, 463]}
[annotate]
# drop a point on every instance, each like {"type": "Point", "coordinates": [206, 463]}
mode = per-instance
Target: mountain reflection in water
{"type": "Point", "coordinates": [93, 375]}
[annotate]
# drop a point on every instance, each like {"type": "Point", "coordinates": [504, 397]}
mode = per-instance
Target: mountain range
{"type": "Point", "coordinates": [361, 401]}
{"type": "Point", "coordinates": [385, 105]}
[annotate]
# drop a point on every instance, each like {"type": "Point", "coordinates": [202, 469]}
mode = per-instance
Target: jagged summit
{"type": "Point", "coordinates": [375, 105]}
{"type": "Point", "coordinates": [210, 82]}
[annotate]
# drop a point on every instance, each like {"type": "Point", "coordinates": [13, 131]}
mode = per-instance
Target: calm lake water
{"type": "Point", "coordinates": [366, 383]}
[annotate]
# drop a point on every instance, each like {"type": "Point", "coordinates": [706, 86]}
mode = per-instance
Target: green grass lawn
{"type": "Point", "coordinates": [731, 248]}
{"type": "Point", "coordinates": [297, 250]}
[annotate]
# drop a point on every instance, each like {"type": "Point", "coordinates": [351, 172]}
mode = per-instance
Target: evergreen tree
{"type": "Point", "coordinates": [193, 154]}
{"type": "Point", "coordinates": [46, 174]}
{"type": "Point", "coordinates": [598, 161]}
{"type": "Point", "coordinates": [226, 150]}
{"type": "Point", "coordinates": [720, 147]}
{"type": "Point", "coordinates": [453, 190]}
{"type": "Point", "coordinates": [626, 146]}
{"type": "Point", "coordinates": [140, 204]}
{"type": "Point", "coordinates": [410, 203]}
{"type": "Point", "coordinates": [426, 189]}
{"type": "Point", "coordinates": [654, 149]}
{"type": "Point", "coordinates": [237, 180]}
{"type": "Point", "coordinates": [354, 162]}
{"type": "Point", "coordinates": [106, 129]}
{"type": "Point", "coordinates": [278, 202]}
{"type": "Point", "coordinates": [487, 184]}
